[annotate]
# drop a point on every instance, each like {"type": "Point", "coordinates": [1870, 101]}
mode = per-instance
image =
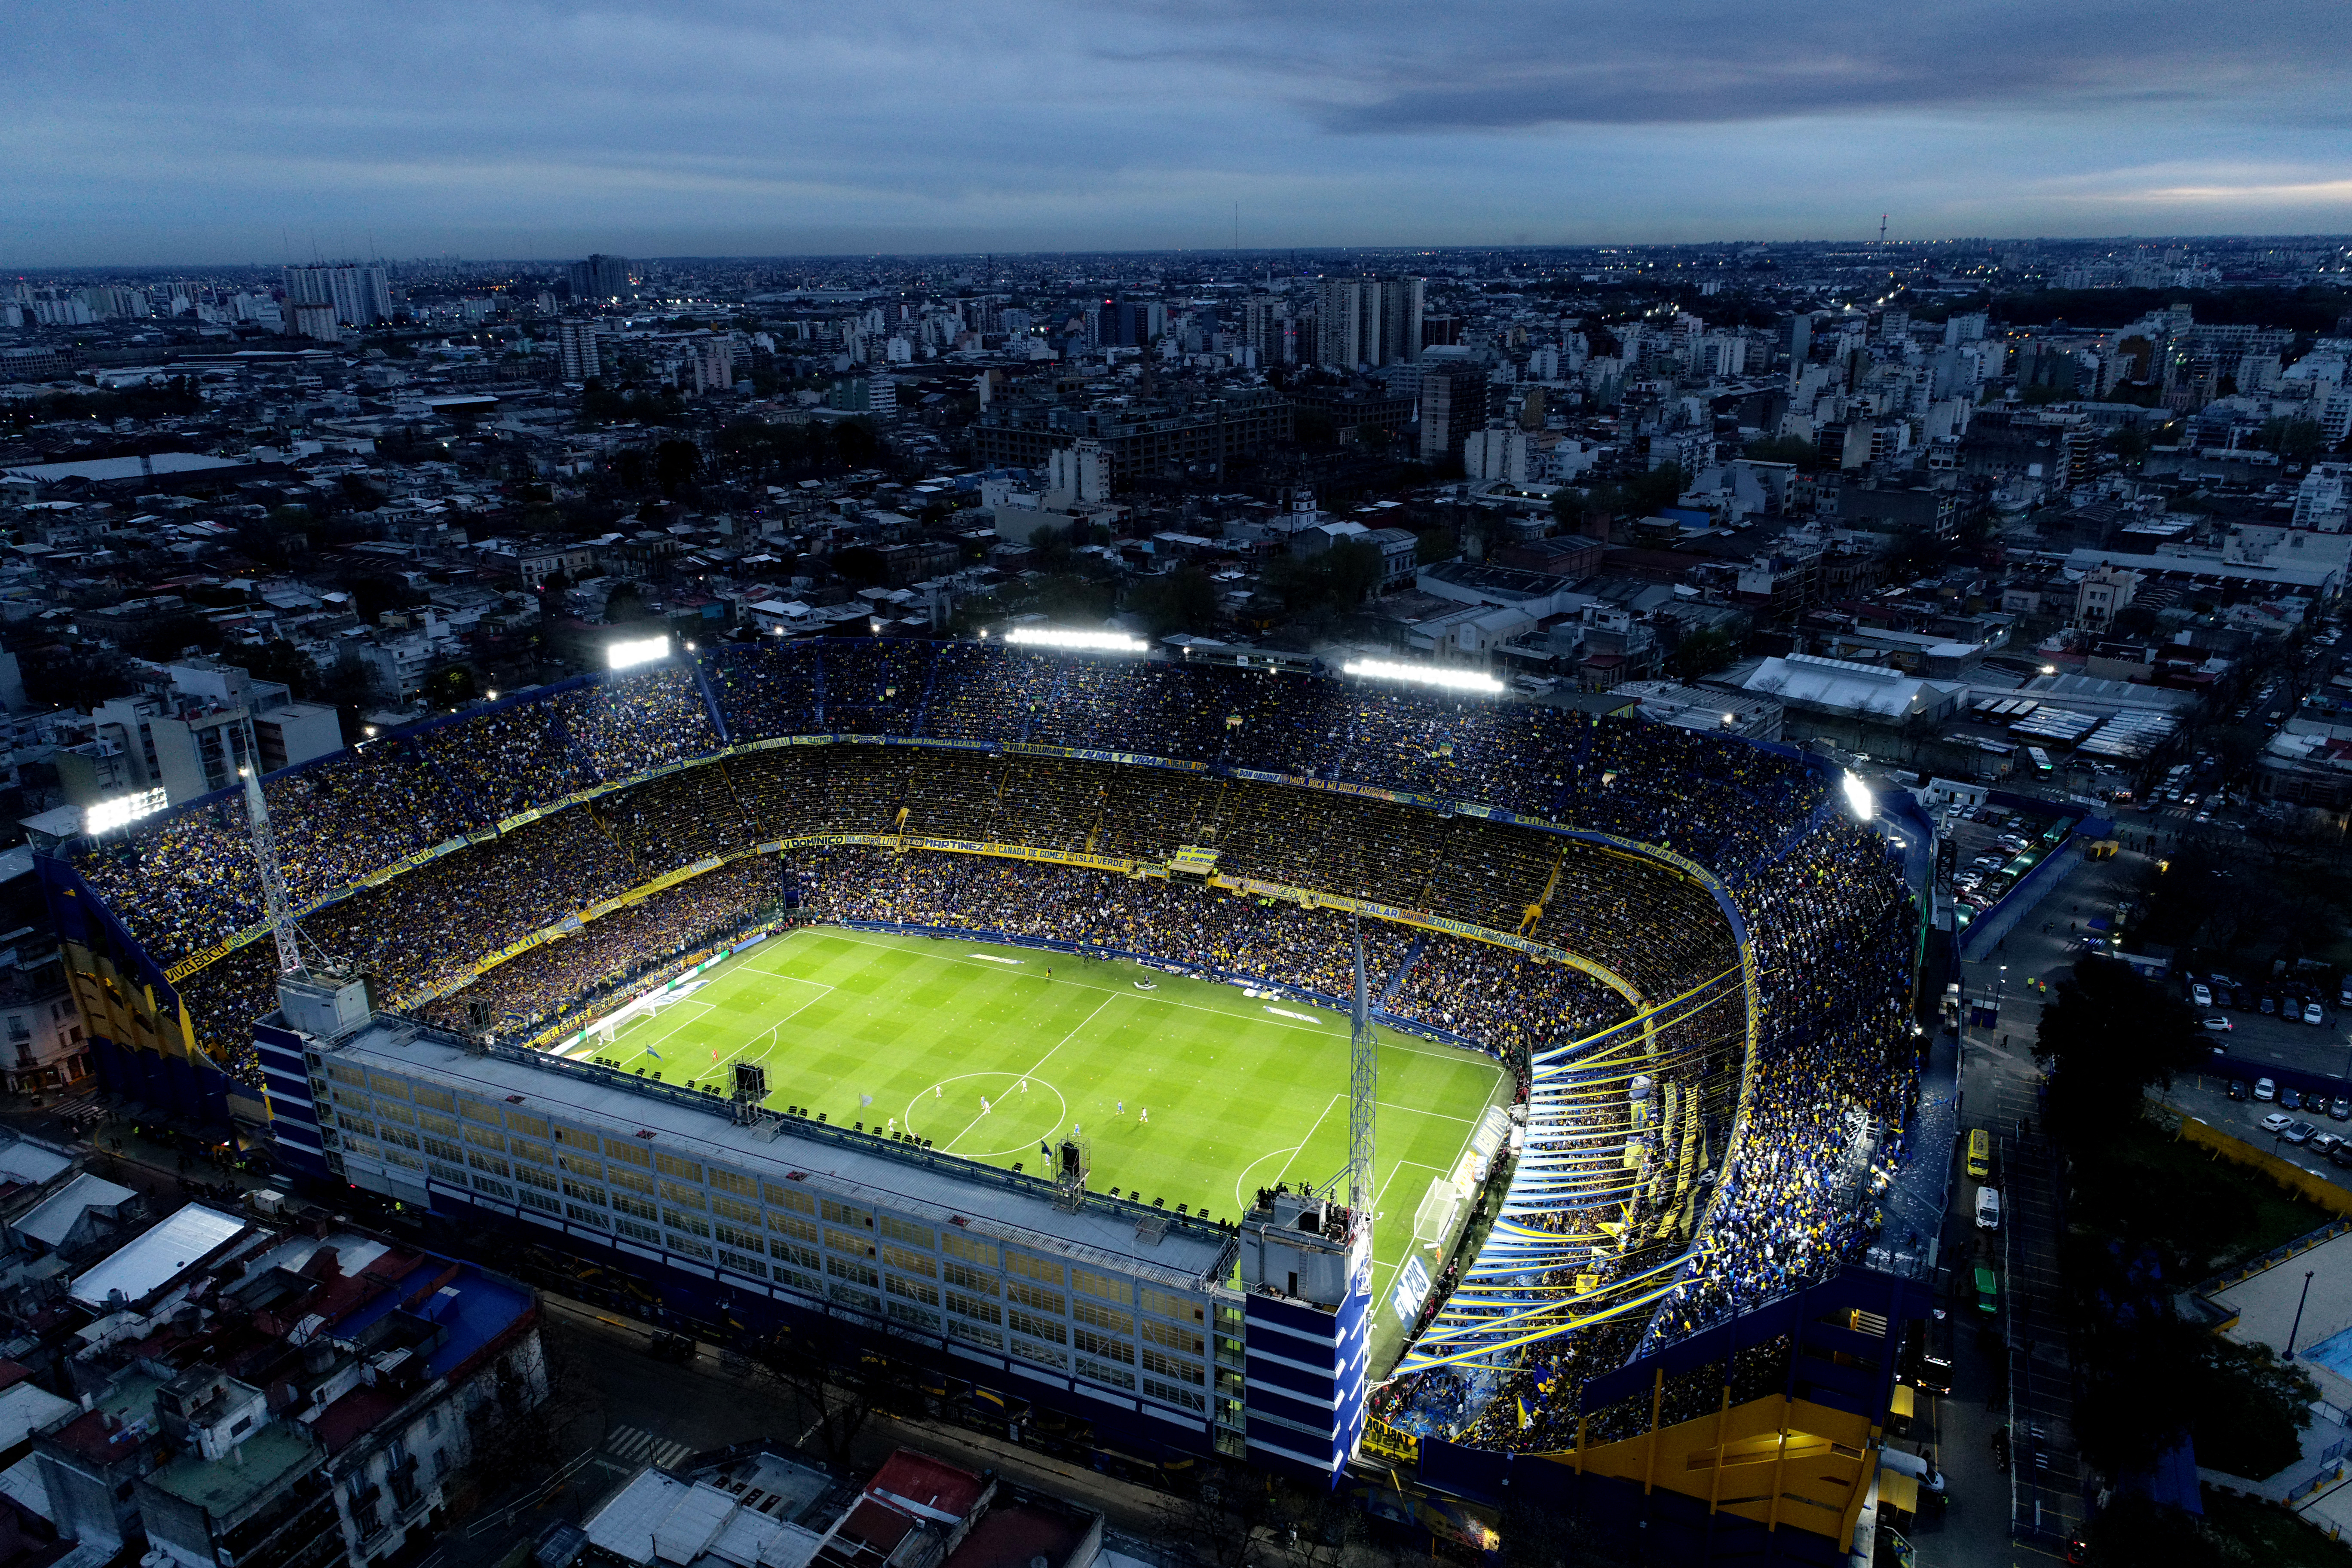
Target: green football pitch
{"type": "Point", "coordinates": [1192, 1092]}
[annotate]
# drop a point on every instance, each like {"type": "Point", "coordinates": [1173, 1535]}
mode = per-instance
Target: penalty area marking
{"type": "Point", "coordinates": [774, 1031]}
{"type": "Point", "coordinates": [622, 1044]}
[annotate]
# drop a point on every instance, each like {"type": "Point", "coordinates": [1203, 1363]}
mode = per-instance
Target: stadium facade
{"type": "Point", "coordinates": [1117, 1311]}
{"type": "Point", "coordinates": [1242, 1340]}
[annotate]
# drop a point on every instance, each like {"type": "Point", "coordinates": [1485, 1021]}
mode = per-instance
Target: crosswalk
{"type": "Point", "coordinates": [632, 1444]}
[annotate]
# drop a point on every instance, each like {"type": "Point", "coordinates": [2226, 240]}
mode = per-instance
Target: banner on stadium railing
{"type": "Point", "coordinates": [213, 954]}
{"type": "Point", "coordinates": [1310, 899]}
{"type": "Point", "coordinates": [1084, 754]}
{"type": "Point", "coordinates": [1021, 852]}
{"type": "Point", "coordinates": [941, 742]}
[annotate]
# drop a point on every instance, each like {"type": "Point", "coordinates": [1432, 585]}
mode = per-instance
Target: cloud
{"type": "Point", "coordinates": [509, 126]}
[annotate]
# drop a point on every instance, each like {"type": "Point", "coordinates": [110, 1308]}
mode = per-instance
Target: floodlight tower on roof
{"type": "Point", "coordinates": [330, 1002]}
{"type": "Point", "coordinates": [1363, 1096]}
{"type": "Point", "coordinates": [273, 880]}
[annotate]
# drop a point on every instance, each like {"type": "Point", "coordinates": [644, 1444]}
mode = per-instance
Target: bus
{"type": "Point", "coordinates": [1979, 1154]}
{"type": "Point", "coordinates": [2039, 758]}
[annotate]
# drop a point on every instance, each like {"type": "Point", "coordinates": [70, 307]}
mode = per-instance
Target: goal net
{"type": "Point", "coordinates": [1439, 1206]}
{"type": "Point", "coordinates": [638, 1018]}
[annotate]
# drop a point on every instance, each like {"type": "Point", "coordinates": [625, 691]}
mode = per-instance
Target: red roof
{"type": "Point", "coordinates": [931, 1484]}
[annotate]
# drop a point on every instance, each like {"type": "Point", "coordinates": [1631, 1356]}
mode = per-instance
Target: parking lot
{"type": "Point", "coordinates": [1992, 849]}
{"type": "Point", "coordinates": [2274, 1036]}
{"type": "Point", "coordinates": [2206, 1097]}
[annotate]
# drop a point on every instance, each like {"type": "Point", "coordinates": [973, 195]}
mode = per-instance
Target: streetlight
{"type": "Point", "coordinates": [2298, 1314]}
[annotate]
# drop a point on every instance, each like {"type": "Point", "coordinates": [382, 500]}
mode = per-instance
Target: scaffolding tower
{"type": "Point", "coordinates": [1363, 1097]}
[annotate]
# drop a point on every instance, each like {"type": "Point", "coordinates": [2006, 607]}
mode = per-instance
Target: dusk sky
{"type": "Point", "coordinates": [142, 133]}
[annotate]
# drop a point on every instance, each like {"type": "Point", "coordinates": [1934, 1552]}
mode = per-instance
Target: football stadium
{"type": "Point", "coordinates": [1349, 1071]}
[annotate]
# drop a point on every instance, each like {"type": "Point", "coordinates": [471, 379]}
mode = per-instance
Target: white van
{"type": "Point", "coordinates": [1988, 1208]}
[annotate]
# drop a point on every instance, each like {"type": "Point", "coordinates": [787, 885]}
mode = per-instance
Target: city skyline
{"type": "Point", "coordinates": [218, 136]}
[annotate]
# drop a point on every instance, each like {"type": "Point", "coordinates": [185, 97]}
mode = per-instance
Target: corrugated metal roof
{"type": "Point", "coordinates": [138, 1268]}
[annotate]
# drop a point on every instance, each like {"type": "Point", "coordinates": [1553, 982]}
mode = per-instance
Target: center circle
{"type": "Point", "coordinates": [955, 1113]}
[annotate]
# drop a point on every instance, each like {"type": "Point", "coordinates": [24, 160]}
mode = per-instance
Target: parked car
{"type": "Point", "coordinates": [2298, 1132]}
{"type": "Point", "coordinates": [2324, 1143]}
{"type": "Point", "coordinates": [2265, 1089]}
{"type": "Point", "coordinates": [2341, 1156]}
{"type": "Point", "coordinates": [2290, 1100]}
{"type": "Point", "coordinates": [2218, 1026]}
{"type": "Point", "coordinates": [2311, 1013]}
{"type": "Point", "coordinates": [2199, 995]}
{"type": "Point", "coordinates": [1988, 1208]}
{"type": "Point", "coordinates": [2277, 1121]}
{"type": "Point", "coordinates": [2340, 1108]}
{"type": "Point", "coordinates": [2237, 1089]}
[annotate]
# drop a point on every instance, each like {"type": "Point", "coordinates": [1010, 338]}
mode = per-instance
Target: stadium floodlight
{"type": "Point", "coordinates": [1422, 675]}
{"type": "Point", "coordinates": [122, 810]}
{"type": "Point", "coordinates": [1858, 798]}
{"type": "Point", "coordinates": [639, 650]}
{"type": "Point", "coordinates": [1096, 642]}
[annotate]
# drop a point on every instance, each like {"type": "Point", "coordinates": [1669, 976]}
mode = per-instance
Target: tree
{"type": "Point", "coordinates": [2249, 1410]}
{"type": "Point", "coordinates": [355, 685]}
{"type": "Point", "coordinates": [282, 662]}
{"type": "Point", "coordinates": [1785, 449]}
{"type": "Point", "coordinates": [2106, 1032]}
{"type": "Point", "coordinates": [1701, 652]}
{"type": "Point", "coordinates": [1436, 544]}
{"type": "Point", "coordinates": [2295, 439]}
{"type": "Point", "coordinates": [855, 441]}
{"type": "Point", "coordinates": [450, 685]}
{"type": "Point", "coordinates": [861, 564]}
{"type": "Point", "coordinates": [624, 605]}
{"type": "Point", "coordinates": [77, 675]}
{"type": "Point", "coordinates": [168, 638]}
{"type": "Point", "coordinates": [1641, 495]}
{"type": "Point", "coordinates": [676, 464]}
{"type": "Point", "coordinates": [1355, 570]}
{"type": "Point", "coordinates": [817, 1362]}
{"type": "Point", "coordinates": [1184, 599]}
{"type": "Point", "coordinates": [1221, 1524]}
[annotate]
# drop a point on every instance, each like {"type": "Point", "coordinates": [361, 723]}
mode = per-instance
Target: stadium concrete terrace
{"type": "Point", "coordinates": [1805, 813]}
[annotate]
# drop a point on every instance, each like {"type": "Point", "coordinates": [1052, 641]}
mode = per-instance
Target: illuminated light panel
{"type": "Point", "coordinates": [121, 811]}
{"type": "Point", "coordinates": [1858, 798]}
{"type": "Point", "coordinates": [1423, 675]}
{"type": "Point", "coordinates": [1100, 642]}
{"type": "Point", "coordinates": [628, 654]}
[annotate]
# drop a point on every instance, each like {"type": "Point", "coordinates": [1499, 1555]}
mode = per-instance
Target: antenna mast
{"type": "Point", "coordinates": [273, 881]}
{"type": "Point", "coordinates": [1882, 228]}
{"type": "Point", "coordinates": [1363, 1095]}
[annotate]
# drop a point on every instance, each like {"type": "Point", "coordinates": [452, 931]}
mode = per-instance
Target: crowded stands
{"type": "Point", "coordinates": [1155, 755]}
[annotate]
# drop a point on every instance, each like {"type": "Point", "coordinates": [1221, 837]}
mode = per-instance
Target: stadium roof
{"type": "Point", "coordinates": [1107, 1228]}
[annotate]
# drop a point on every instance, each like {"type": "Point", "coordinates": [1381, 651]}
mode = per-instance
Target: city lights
{"type": "Point", "coordinates": [642, 651]}
{"type": "Point", "coordinates": [1423, 675]}
{"type": "Point", "coordinates": [1098, 642]}
{"type": "Point", "coordinates": [1858, 798]}
{"type": "Point", "coordinates": [122, 810]}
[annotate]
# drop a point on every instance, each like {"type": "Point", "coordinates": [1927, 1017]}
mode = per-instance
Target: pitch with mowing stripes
{"type": "Point", "coordinates": [1191, 1091]}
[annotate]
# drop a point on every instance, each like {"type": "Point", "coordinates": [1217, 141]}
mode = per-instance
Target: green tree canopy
{"type": "Point", "coordinates": [1183, 600]}
{"type": "Point", "coordinates": [1785, 449]}
{"type": "Point", "coordinates": [2106, 1033]}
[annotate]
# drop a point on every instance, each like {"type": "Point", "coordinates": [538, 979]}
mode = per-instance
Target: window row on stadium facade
{"type": "Point", "coordinates": [764, 1230]}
